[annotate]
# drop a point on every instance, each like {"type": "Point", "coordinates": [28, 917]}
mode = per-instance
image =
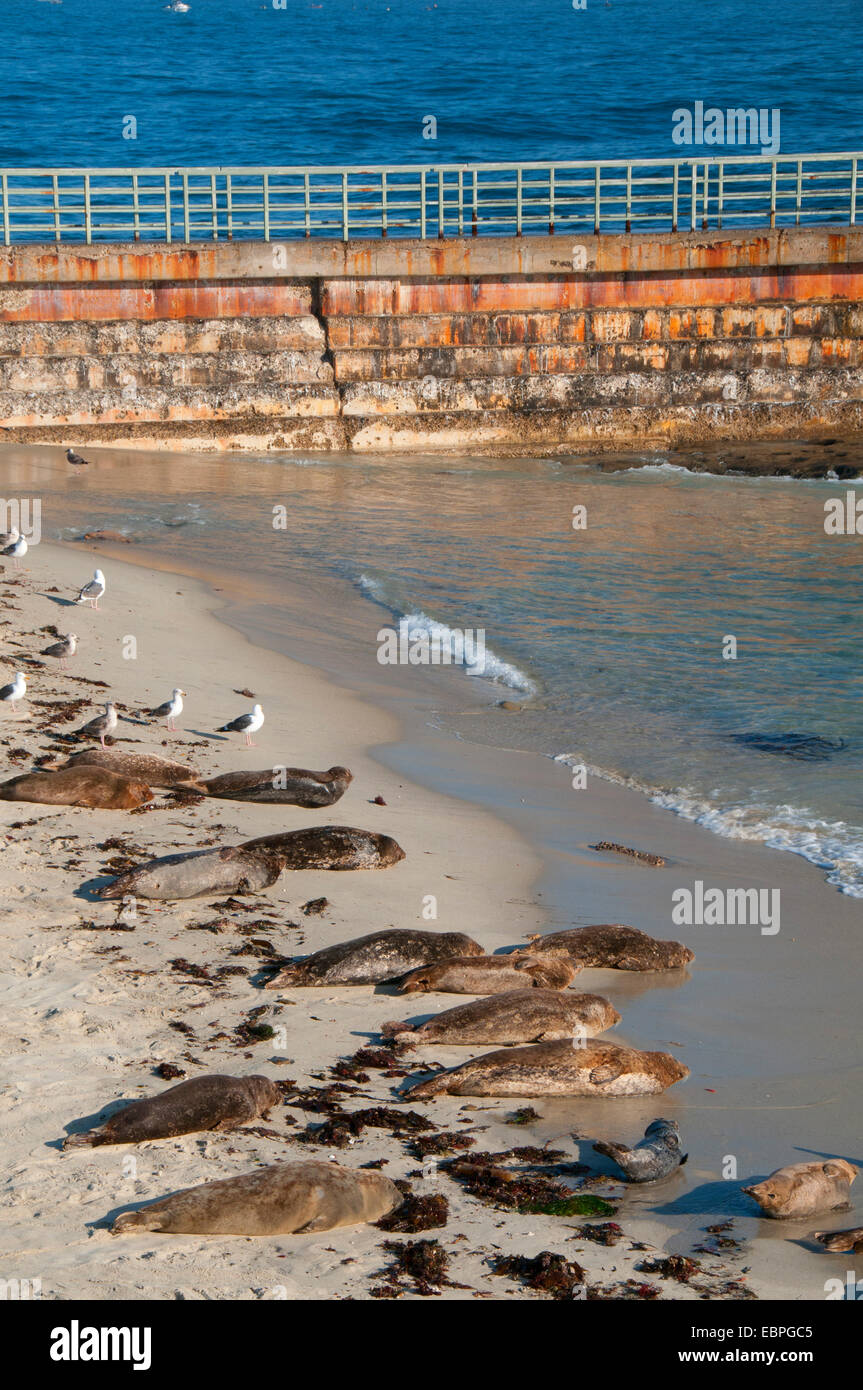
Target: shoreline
{"type": "Point", "coordinates": [469, 775]}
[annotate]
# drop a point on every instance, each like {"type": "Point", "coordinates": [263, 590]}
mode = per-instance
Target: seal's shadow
{"type": "Point", "coordinates": [88, 1122]}
{"type": "Point", "coordinates": [717, 1199]}
{"type": "Point", "coordinates": [89, 891]}
{"type": "Point", "coordinates": [106, 1222]}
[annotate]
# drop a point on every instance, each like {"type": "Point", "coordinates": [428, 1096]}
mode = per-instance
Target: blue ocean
{"type": "Point", "coordinates": [353, 81]}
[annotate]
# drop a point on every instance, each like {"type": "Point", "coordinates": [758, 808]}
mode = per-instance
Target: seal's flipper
{"type": "Point", "coordinates": [605, 1072]}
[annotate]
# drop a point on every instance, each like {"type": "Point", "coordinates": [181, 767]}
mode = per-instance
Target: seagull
{"type": "Point", "coordinates": [9, 537]}
{"type": "Point", "coordinates": [16, 691]}
{"type": "Point", "coordinates": [170, 709]}
{"type": "Point", "coordinates": [247, 724]}
{"type": "Point", "coordinates": [93, 591]}
{"type": "Point", "coordinates": [72, 457]}
{"type": "Point", "coordinates": [66, 647]}
{"type": "Point", "coordinates": [103, 724]}
{"type": "Point", "coordinates": [18, 549]}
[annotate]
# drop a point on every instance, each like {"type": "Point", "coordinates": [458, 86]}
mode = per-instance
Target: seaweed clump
{"type": "Point", "coordinates": [546, 1272]}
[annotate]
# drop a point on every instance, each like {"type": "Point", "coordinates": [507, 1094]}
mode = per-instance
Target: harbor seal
{"type": "Point", "coordinates": [557, 1069]}
{"type": "Point", "coordinates": [330, 847]}
{"type": "Point", "coordinates": [801, 1189]}
{"type": "Point", "coordinates": [92, 787]}
{"type": "Point", "coordinates": [614, 947]}
{"type": "Point", "coordinates": [492, 974]}
{"type": "Point", "coordinates": [282, 786]}
{"type": "Point", "coordinates": [369, 960]}
{"type": "Point", "coordinates": [654, 1156]}
{"type": "Point", "coordinates": [204, 1103]}
{"type": "Point", "coordinates": [156, 772]}
{"type": "Point", "coordinates": [282, 1199]}
{"type": "Point", "coordinates": [196, 874]}
{"type": "Point", "coordinates": [518, 1016]}
{"type": "Point", "coordinates": [838, 1242]}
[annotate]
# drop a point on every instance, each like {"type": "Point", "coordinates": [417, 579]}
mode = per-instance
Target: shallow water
{"type": "Point", "coordinates": [608, 639]}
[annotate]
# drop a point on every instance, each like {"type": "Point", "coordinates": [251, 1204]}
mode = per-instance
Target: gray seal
{"type": "Point", "coordinates": [197, 874]}
{"type": "Point", "coordinates": [284, 786]}
{"type": "Point", "coordinates": [654, 1156]}
{"type": "Point", "coordinates": [204, 1103]}
{"type": "Point", "coordinates": [369, 960]}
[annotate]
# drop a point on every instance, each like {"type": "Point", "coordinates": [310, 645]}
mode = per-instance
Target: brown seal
{"type": "Point", "coordinates": [330, 847]}
{"type": "Point", "coordinates": [93, 787]}
{"type": "Point", "coordinates": [569, 1068]}
{"type": "Point", "coordinates": [518, 1016]}
{"type": "Point", "coordinates": [204, 1103]}
{"type": "Point", "coordinates": [841, 1241]}
{"type": "Point", "coordinates": [492, 974]}
{"type": "Point", "coordinates": [195, 874]}
{"type": "Point", "coordinates": [615, 947]}
{"type": "Point", "coordinates": [279, 1200]}
{"type": "Point", "coordinates": [282, 786]}
{"type": "Point", "coordinates": [369, 960]}
{"type": "Point", "coordinates": [156, 772]}
{"type": "Point", "coordinates": [801, 1189]}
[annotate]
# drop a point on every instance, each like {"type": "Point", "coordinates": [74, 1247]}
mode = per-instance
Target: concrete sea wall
{"type": "Point", "coordinates": [509, 344]}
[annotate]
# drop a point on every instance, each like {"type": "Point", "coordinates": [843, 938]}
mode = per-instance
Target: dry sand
{"type": "Point", "coordinates": [88, 1012]}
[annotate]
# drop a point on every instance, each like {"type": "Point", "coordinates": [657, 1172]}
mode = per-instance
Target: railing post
{"type": "Point", "coordinates": [693, 197]}
{"type": "Point", "coordinates": [383, 202]}
{"type": "Point", "coordinates": [629, 197]}
{"type": "Point", "coordinates": [460, 204]}
{"type": "Point", "coordinates": [440, 212]}
{"type": "Point", "coordinates": [706, 201]}
{"type": "Point", "coordinates": [518, 201]}
{"type": "Point", "coordinates": [474, 220]}
{"type": "Point", "coordinates": [136, 208]}
{"type": "Point", "coordinates": [551, 201]}
{"type": "Point", "coordinates": [7, 230]}
{"type": "Point", "coordinates": [187, 235]}
{"type": "Point", "coordinates": [345, 229]}
{"type": "Point", "coordinates": [307, 206]}
{"type": "Point", "coordinates": [55, 187]}
{"type": "Point", "coordinates": [88, 216]}
{"type": "Point", "coordinates": [675, 189]}
{"type": "Point", "coordinates": [853, 217]}
{"type": "Point", "coordinates": [423, 204]}
{"type": "Point", "coordinates": [773, 194]}
{"type": "Point", "coordinates": [720, 193]}
{"type": "Point", "coordinates": [265, 191]}
{"type": "Point", "coordinates": [597, 211]}
{"type": "Point", "coordinates": [229, 199]}
{"type": "Point", "coordinates": [214, 206]}
{"type": "Point", "coordinates": [167, 183]}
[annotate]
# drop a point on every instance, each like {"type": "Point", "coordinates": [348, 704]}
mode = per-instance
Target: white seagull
{"type": "Point", "coordinates": [103, 724]}
{"type": "Point", "coordinates": [66, 647]}
{"type": "Point", "coordinates": [247, 724]}
{"type": "Point", "coordinates": [170, 709]}
{"type": "Point", "coordinates": [18, 549]}
{"type": "Point", "coordinates": [9, 694]}
{"type": "Point", "coordinates": [93, 591]}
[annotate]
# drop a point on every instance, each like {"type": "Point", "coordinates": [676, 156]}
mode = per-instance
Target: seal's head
{"type": "Point", "coordinates": [339, 774]}
{"type": "Point", "coordinates": [265, 1091]}
{"type": "Point", "coordinates": [390, 852]}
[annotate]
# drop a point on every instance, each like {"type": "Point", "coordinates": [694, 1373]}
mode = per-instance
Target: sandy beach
{"type": "Point", "coordinates": [90, 1011]}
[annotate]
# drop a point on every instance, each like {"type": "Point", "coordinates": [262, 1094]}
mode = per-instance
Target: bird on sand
{"type": "Point", "coordinates": [72, 457]}
{"type": "Point", "coordinates": [9, 694]}
{"type": "Point", "coordinates": [100, 726]}
{"type": "Point", "coordinates": [66, 647]}
{"type": "Point", "coordinates": [92, 592]}
{"type": "Point", "coordinates": [247, 724]}
{"type": "Point", "coordinates": [170, 709]}
{"type": "Point", "coordinates": [17, 550]}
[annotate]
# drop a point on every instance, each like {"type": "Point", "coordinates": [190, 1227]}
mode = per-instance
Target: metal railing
{"type": "Point", "coordinates": [441, 200]}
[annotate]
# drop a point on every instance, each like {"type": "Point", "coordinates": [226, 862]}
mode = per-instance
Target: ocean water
{"type": "Point", "coordinates": [352, 81]}
{"type": "Point", "coordinates": [610, 641]}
